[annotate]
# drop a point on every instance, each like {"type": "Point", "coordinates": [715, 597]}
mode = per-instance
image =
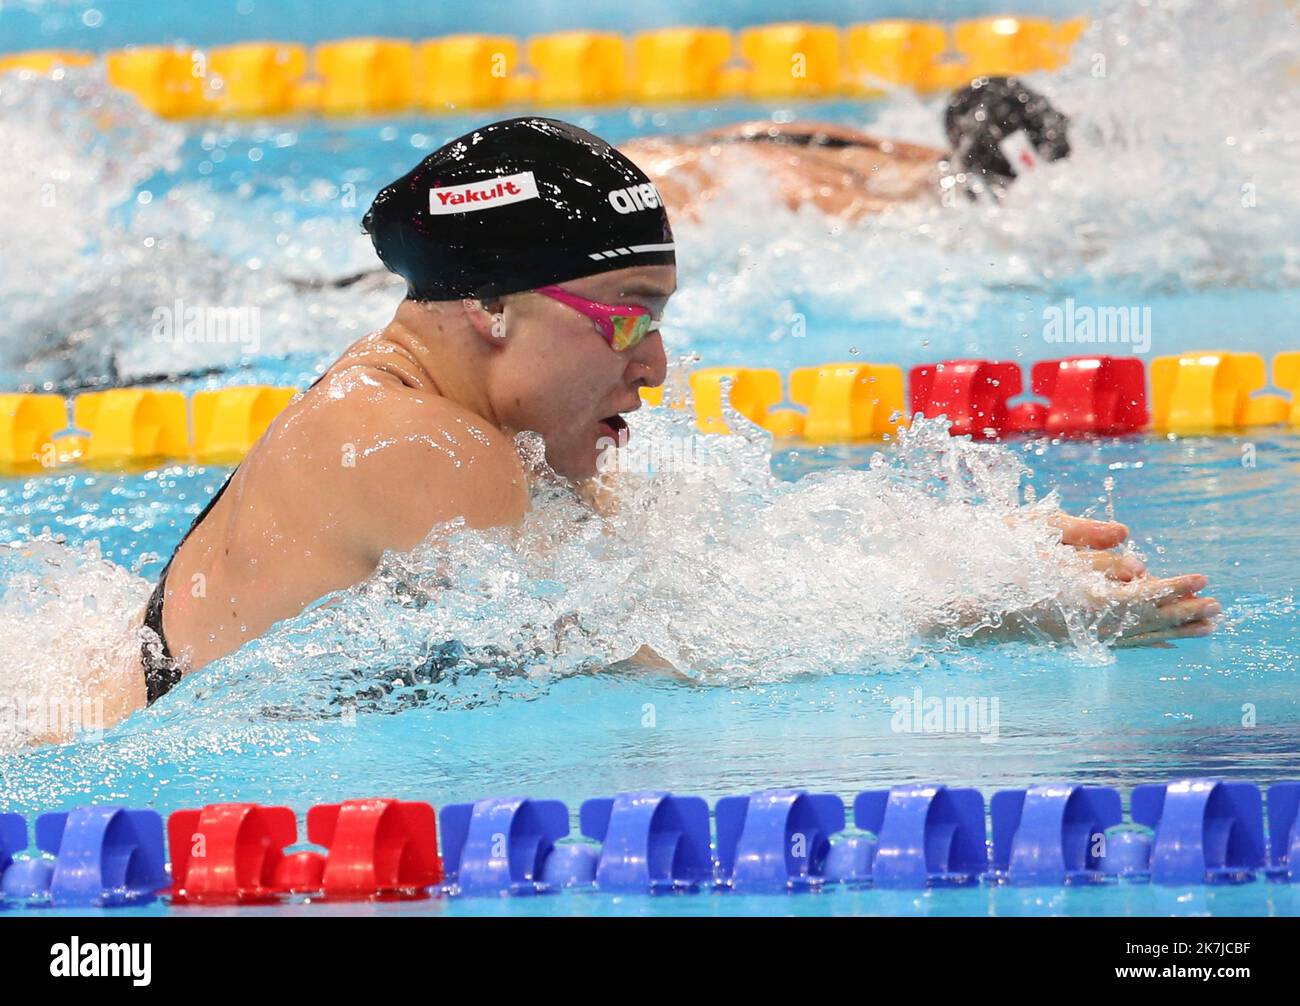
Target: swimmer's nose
{"type": "Point", "coordinates": [648, 367]}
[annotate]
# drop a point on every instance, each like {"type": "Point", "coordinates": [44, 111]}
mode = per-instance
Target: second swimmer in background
{"type": "Point", "coordinates": [998, 128]}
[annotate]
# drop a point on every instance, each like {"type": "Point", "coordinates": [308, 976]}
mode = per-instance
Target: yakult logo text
{"type": "Point", "coordinates": [635, 197]}
{"type": "Point", "coordinates": [483, 195]}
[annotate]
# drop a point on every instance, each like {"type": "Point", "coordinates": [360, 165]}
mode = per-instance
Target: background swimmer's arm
{"type": "Point", "coordinates": [832, 131]}
{"type": "Point", "coordinates": [852, 175]}
{"type": "Point", "coordinates": [677, 171]}
{"type": "Point", "coordinates": [337, 282]}
{"type": "Point", "coordinates": [647, 660]}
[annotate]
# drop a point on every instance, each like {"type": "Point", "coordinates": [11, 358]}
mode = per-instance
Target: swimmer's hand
{"type": "Point", "coordinates": [1094, 539]}
{"type": "Point", "coordinates": [599, 494]}
{"type": "Point", "coordinates": [1142, 610]}
{"type": "Point", "coordinates": [1137, 609]}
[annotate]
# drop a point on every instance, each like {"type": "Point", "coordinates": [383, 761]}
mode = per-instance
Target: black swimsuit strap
{"type": "Point", "coordinates": [161, 671]}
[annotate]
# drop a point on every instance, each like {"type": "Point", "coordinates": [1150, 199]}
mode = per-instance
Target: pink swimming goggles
{"type": "Point", "coordinates": [623, 326]}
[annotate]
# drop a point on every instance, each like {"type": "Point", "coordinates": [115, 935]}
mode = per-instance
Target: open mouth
{"type": "Point", "coordinates": [617, 428]}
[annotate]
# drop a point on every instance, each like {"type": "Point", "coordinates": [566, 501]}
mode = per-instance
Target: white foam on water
{"type": "Point", "coordinates": [67, 640]}
{"type": "Point", "coordinates": [94, 264]}
{"type": "Point", "coordinates": [1185, 129]}
{"type": "Point", "coordinates": [730, 574]}
{"type": "Point", "coordinates": [1185, 151]}
{"type": "Point", "coordinates": [727, 572]}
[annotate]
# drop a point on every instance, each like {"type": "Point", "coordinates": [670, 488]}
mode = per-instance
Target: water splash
{"type": "Point", "coordinates": [67, 638]}
{"type": "Point", "coordinates": [730, 574]}
{"type": "Point", "coordinates": [1185, 116]}
{"type": "Point", "coordinates": [100, 256]}
{"type": "Point", "coordinates": [72, 149]}
{"type": "Point", "coordinates": [1185, 151]}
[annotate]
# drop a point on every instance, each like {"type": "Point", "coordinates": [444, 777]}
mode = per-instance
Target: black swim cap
{"type": "Point", "coordinates": [516, 205]}
{"type": "Point", "coordinates": [988, 110]}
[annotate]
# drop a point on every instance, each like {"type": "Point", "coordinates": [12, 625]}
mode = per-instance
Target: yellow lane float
{"type": "Point", "coordinates": [679, 64]}
{"type": "Point", "coordinates": [27, 427]}
{"type": "Point", "coordinates": [848, 401]}
{"type": "Point", "coordinates": [466, 71]}
{"type": "Point", "coordinates": [1205, 391]}
{"type": "Point", "coordinates": [127, 424]}
{"type": "Point", "coordinates": [792, 60]}
{"type": "Point", "coordinates": [256, 78]}
{"type": "Point", "coordinates": [228, 421]}
{"type": "Point", "coordinates": [365, 76]}
{"type": "Point", "coordinates": [579, 67]}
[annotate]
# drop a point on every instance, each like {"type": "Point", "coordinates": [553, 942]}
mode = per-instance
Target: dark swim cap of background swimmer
{"type": "Point", "coordinates": [516, 205]}
{"type": "Point", "coordinates": [993, 121]}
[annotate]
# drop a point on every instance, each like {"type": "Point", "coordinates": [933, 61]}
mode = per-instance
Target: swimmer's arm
{"type": "Point", "coordinates": [766, 127]}
{"type": "Point", "coordinates": [831, 130]}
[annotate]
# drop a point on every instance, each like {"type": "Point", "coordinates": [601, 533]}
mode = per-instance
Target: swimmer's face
{"type": "Point", "coordinates": [555, 373]}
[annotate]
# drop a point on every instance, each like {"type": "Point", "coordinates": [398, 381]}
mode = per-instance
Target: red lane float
{"type": "Point", "coordinates": [229, 852]}
{"type": "Point", "coordinates": [973, 395]}
{"type": "Point", "coordinates": [1086, 394]}
{"type": "Point", "coordinates": [235, 852]}
{"type": "Point", "coordinates": [1092, 394]}
{"type": "Point", "coordinates": [376, 847]}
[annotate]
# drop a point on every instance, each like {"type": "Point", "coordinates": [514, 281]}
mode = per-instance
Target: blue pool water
{"type": "Point", "coordinates": [797, 661]}
{"type": "Point", "coordinates": [1148, 715]}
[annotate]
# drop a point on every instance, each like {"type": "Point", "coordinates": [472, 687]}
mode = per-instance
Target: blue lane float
{"type": "Point", "coordinates": [13, 838]}
{"type": "Point", "coordinates": [569, 864]}
{"type": "Point", "coordinates": [102, 856]}
{"type": "Point", "coordinates": [1188, 832]}
{"type": "Point", "coordinates": [850, 860]}
{"type": "Point", "coordinates": [776, 840]}
{"type": "Point", "coordinates": [925, 835]}
{"type": "Point", "coordinates": [21, 879]}
{"type": "Point", "coordinates": [1206, 831]}
{"type": "Point", "coordinates": [500, 845]}
{"type": "Point", "coordinates": [1284, 830]}
{"type": "Point", "coordinates": [1053, 834]}
{"type": "Point", "coordinates": [650, 841]}
{"type": "Point", "coordinates": [1128, 852]}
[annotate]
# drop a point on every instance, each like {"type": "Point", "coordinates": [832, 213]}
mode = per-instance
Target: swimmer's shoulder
{"type": "Point", "coordinates": [389, 457]}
